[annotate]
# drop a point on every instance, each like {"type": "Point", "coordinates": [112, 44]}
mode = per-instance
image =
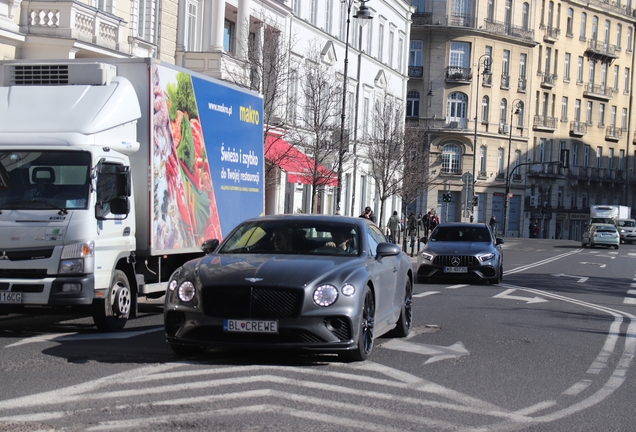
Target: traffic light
{"type": "Point", "coordinates": [475, 200]}
{"type": "Point", "coordinates": [447, 197]}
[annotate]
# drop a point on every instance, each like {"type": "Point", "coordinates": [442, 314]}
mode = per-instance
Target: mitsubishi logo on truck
{"type": "Point", "coordinates": [4, 256]}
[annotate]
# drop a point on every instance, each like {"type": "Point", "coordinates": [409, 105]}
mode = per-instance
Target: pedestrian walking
{"type": "Point", "coordinates": [394, 227]}
{"type": "Point", "coordinates": [493, 225]}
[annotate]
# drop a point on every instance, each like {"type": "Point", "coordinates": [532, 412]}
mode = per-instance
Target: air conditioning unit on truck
{"type": "Point", "coordinates": [112, 174]}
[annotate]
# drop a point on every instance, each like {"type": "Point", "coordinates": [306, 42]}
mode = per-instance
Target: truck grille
{"type": "Point", "coordinates": [44, 74]}
{"type": "Point", "coordinates": [23, 273]}
{"type": "Point", "coordinates": [252, 302]}
{"type": "Point", "coordinates": [452, 261]}
{"type": "Point", "coordinates": [26, 254]}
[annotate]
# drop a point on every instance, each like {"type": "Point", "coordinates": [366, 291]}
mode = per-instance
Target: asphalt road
{"type": "Point", "coordinates": [550, 348]}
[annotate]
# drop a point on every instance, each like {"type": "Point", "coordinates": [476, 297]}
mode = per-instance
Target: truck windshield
{"type": "Point", "coordinates": [44, 179]}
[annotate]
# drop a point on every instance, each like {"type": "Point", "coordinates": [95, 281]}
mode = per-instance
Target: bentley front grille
{"type": "Point", "coordinates": [455, 261]}
{"type": "Point", "coordinates": [252, 302]}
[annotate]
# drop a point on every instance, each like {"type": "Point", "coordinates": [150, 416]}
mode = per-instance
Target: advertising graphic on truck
{"type": "Point", "coordinates": [113, 173]}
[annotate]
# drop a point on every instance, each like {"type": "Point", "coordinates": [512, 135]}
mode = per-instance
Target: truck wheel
{"type": "Point", "coordinates": [112, 313]}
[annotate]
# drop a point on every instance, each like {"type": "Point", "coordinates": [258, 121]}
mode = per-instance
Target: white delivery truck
{"type": "Point", "coordinates": [609, 213]}
{"type": "Point", "coordinates": [113, 173]}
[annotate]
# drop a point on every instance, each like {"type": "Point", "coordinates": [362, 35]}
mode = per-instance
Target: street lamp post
{"type": "Point", "coordinates": [486, 59]}
{"type": "Point", "coordinates": [364, 14]}
{"type": "Point", "coordinates": [515, 108]}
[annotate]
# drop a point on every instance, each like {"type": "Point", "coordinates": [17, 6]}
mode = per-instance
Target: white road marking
{"type": "Point", "coordinates": [592, 263]}
{"type": "Point", "coordinates": [539, 263]}
{"type": "Point", "coordinates": [506, 295]}
{"type": "Point", "coordinates": [578, 387]}
{"type": "Point", "coordinates": [629, 300]}
{"type": "Point", "coordinates": [426, 293]}
{"type": "Point", "coordinates": [536, 408]}
{"type": "Point", "coordinates": [456, 286]}
{"type": "Point", "coordinates": [631, 291]}
{"type": "Point", "coordinates": [436, 352]}
{"type": "Point", "coordinates": [66, 337]}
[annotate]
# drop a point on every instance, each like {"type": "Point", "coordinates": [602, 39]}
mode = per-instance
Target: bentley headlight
{"type": "Point", "coordinates": [348, 290]}
{"type": "Point", "coordinates": [77, 258]}
{"type": "Point", "coordinates": [325, 295]}
{"type": "Point", "coordinates": [172, 285]}
{"type": "Point", "coordinates": [427, 256]}
{"type": "Point", "coordinates": [486, 257]}
{"type": "Point", "coordinates": [186, 291]}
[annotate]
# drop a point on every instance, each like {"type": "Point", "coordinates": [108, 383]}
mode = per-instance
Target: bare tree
{"type": "Point", "coordinates": [317, 133]}
{"type": "Point", "coordinates": [395, 156]}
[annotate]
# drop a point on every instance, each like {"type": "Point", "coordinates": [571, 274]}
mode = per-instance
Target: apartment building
{"type": "Point", "coordinates": [507, 89]}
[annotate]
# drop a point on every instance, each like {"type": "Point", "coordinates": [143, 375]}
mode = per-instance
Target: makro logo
{"type": "Point", "coordinates": [249, 115]}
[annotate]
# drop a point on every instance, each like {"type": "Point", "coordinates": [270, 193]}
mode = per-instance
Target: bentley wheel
{"type": "Point", "coordinates": [112, 313]}
{"type": "Point", "coordinates": [405, 321]}
{"type": "Point", "coordinates": [365, 336]}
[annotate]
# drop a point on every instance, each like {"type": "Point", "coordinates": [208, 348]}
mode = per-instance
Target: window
{"type": "Point", "coordinates": [459, 56]}
{"type": "Point", "coordinates": [312, 12]}
{"type": "Point", "coordinates": [628, 47]}
{"type": "Point", "coordinates": [577, 110]}
{"type": "Point", "coordinates": [626, 81]}
{"type": "Point", "coordinates": [490, 10]}
{"type": "Point", "coordinates": [413, 104]}
{"type": "Point", "coordinates": [610, 159]}
{"type": "Point", "coordinates": [575, 154]}
{"type": "Point", "coordinates": [293, 96]}
{"type": "Point", "coordinates": [518, 111]}
{"type": "Point", "coordinates": [564, 108]}
{"type": "Point", "coordinates": [399, 59]}
{"type": "Point", "coordinates": [505, 62]}
{"type": "Point", "coordinates": [522, 66]}
{"type": "Point", "coordinates": [503, 111]}
{"type": "Point", "coordinates": [391, 39]}
{"type": "Point", "coordinates": [456, 107]}
{"type": "Point", "coordinates": [343, 21]}
{"type": "Point", "coordinates": [146, 20]}
{"type": "Point", "coordinates": [296, 7]}
{"type": "Point", "coordinates": [485, 108]}
{"type": "Point", "coordinates": [566, 67]}
{"type": "Point", "coordinates": [569, 23]}
{"type": "Point", "coordinates": [583, 24]}
{"type": "Point", "coordinates": [586, 156]}
{"type": "Point", "coordinates": [594, 28]}
{"type": "Point", "coordinates": [606, 34]}
{"type": "Point", "coordinates": [517, 160]}
{"type": "Point", "coordinates": [451, 157]}
{"type": "Point", "coordinates": [482, 160]}
{"type": "Point", "coordinates": [191, 32]}
{"type": "Point", "coordinates": [619, 35]}
{"type": "Point", "coordinates": [616, 78]}
{"type": "Point", "coordinates": [329, 16]}
{"type": "Point", "coordinates": [613, 116]}
{"type": "Point", "coordinates": [500, 160]}
{"type": "Point", "coordinates": [369, 34]}
{"type": "Point", "coordinates": [588, 115]}
{"type": "Point", "coordinates": [601, 115]}
{"type": "Point", "coordinates": [621, 158]}
{"type": "Point", "coordinates": [579, 70]}
{"type": "Point", "coordinates": [525, 10]}
{"type": "Point", "coordinates": [624, 119]}
{"type": "Point", "coordinates": [599, 154]}
{"type": "Point", "coordinates": [541, 150]}
{"type": "Point", "coordinates": [415, 53]}
{"type": "Point", "coordinates": [228, 36]}
{"type": "Point", "coordinates": [381, 42]}
{"type": "Point", "coordinates": [507, 13]}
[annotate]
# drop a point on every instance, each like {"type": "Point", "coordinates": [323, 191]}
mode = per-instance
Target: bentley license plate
{"type": "Point", "coordinates": [250, 326]}
{"type": "Point", "coordinates": [455, 269]}
{"type": "Point", "coordinates": [7, 297]}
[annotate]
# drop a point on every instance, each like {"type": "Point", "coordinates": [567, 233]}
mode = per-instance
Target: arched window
{"type": "Point", "coordinates": [485, 108]}
{"type": "Point", "coordinates": [451, 159]}
{"type": "Point", "coordinates": [456, 108]}
{"type": "Point", "coordinates": [594, 28]}
{"type": "Point", "coordinates": [583, 25]}
{"type": "Point", "coordinates": [570, 22]}
{"type": "Point", "coordinates": [525, 10]}
{"type": "Point", "coordinates": [413, 103]}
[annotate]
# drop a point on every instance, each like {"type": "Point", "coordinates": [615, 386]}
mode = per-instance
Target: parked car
{"type": "Point", "coordinates": [311, 282]}
{"type": "Point", "coordinates": [627, 230]}
{"type": "Point", "coordinates": [598, 234]}
{"type": "Point", "coordinates": [461, 251]}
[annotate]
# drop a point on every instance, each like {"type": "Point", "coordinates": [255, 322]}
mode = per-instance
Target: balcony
{"type": "Point", "coordinates": [220, 65]}
{"type": "Point", "coordinates": [544, 123]}
{"type": "Point", "coordinates": [422, 19]}
{"type": "Point", "coordinates": [551, 34]}
{"type": "Point", "coordinates": [76, 21]}
{"type": "Point", "coordinates": [549, 80]}
{"type": "Point", "coordinates": [601, 51]}
{"type": "Point", "coordinates": [613, 133]}
{"type": "Point", "coordinates": [455, 74]}
{"type": "Point", "coordinates": [505, 81]}
{"type": "Point", "coordinates": [505, 29]}
{"type": "Point", "coordinates": [578, 129]}
{"type": "Point", "coordinates": [613, 6]}
{"type": "Point", "coordinates": [459, 124]}
{"type": "Point", "coordinates": [522, 85]}
{"type": "Point", "coordinates": [596, 91]}
{"type": "Point", "coordinates": [416, 71]}
{"type": "Point", "coordinates": [459, 20]}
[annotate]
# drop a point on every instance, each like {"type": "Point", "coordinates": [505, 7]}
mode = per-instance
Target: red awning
{"type": "Point", "coordinates": [298, 166]}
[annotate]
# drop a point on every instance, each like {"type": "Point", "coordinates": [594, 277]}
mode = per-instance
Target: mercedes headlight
{"type": "Point", "coordinates": [325, 295]}
{"type": "Point", "coordinates": [427, 256]}
{"type": "Point", "coordinates": [486, 257]}
{"type": "Point", "coordinates": [77, 258]}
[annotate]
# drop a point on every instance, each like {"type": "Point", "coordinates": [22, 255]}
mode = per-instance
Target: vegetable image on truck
{"type": "Point", "coordinates": [113, 173]}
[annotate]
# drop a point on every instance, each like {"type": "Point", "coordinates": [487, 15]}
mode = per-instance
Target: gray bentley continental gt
{"type": "Point", "coordinates": [329, 284]}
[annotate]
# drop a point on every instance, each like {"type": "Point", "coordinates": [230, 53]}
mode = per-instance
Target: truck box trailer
{"type": "Point", "coordinates": [609, 213]}
{"type": "Point", "coordinates": [113, 173]}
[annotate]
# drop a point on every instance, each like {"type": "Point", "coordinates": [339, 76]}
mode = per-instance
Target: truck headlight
{"type": "Point", "coordinates": [77, 258]}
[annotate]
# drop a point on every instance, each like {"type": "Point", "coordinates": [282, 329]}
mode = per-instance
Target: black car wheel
{"type": "Point", "coordinates": [405, 321]}
{"type": "Point", "coordinates": [365, 337]}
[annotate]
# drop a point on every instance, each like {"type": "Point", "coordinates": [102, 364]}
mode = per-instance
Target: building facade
{"type": "Point", "coordinates": [505, 91]}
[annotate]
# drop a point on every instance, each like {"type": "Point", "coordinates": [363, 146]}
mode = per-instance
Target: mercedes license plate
{"type": "Point", "coordinates": [250, 326]}
{"type": "Point", "coordinates": [8, 297]}
{"type": "Point", "coordinates": [455, 269]}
